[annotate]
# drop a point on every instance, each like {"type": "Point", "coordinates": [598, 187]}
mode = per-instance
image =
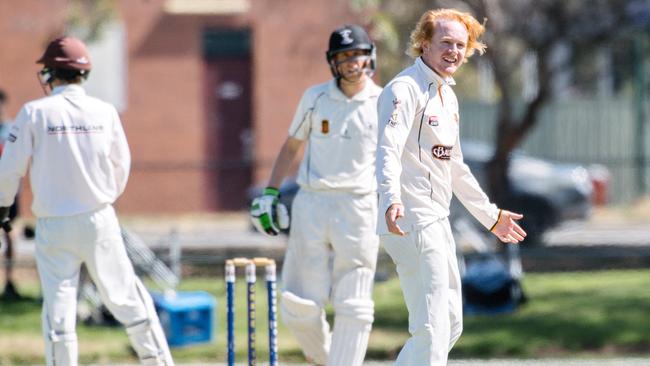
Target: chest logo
{"type": "Point", "coordinates": [325, 126]}
{"type": "Point", "coordinates": [433, 121]}
{"type": "Point", "coordinates": [441, 152]}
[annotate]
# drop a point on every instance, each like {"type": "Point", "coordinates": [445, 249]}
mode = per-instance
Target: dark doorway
{"type": "Point", "coordinates": [228, 116]}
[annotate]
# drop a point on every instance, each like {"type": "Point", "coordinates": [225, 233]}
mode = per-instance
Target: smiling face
{"type": "Point", "coordinates": [352, 64]}
{"type": "Point", "coordinates": [445, 52]}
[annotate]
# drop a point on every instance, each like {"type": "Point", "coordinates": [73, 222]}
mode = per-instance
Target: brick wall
{"type": "Point", "coordinates": [165, 116]}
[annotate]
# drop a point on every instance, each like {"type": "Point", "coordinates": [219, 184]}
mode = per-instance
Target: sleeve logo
{"type": "Point", "coordinates": [392, 122]}
{"type": "Point", "coordinates": [441, 152]}
{"type": "Point", "coordinates": [13, 133]}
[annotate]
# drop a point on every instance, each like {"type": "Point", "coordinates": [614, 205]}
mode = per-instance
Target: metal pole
{"type": "Point", "coordinates": [175, 253]}
{"type": "Point", "coordinates": [640, 112]}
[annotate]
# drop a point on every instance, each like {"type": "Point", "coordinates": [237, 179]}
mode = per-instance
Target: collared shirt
{"type": "Point", "coordinates": [419, 161]}
{"type": "Point", "coordinates": [77, 149]}
{"type": "Point", "coordinates": [342, 138]}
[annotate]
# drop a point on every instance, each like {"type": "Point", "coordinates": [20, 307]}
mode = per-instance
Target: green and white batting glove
{"type": "Point", "coordinates": [268, 214]}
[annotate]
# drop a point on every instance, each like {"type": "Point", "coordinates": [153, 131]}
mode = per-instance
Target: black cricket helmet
{"type": "Point", "coordinates": [346, 38]}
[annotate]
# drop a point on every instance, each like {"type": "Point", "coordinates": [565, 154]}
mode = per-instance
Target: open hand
{"type": "Point", "coordinates": [507, 229]}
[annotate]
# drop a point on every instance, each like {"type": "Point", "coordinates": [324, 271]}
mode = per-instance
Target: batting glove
{"type": "Point", "coordinates": [4, 219]}
{"type": "Point", "coordinates": [268, 214]}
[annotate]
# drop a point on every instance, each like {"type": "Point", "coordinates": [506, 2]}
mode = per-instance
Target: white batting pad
{"type": "Point", "coordinates": [147, 336]}
{"type": "Point", "coordinates": [349, 342]}
{"type": "Point", "coordinates": [354, 311]}
{"type": "Point", "coordinates": [307, 322]}
{"type": "Point", "coordinates": [353, 295]}
{"type": "Point", "coordinates": [61, 349]}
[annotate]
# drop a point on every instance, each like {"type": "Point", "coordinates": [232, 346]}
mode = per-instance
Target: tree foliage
{"type": "Point", "coordinates": [515, 29]}
{"type": "Point", "coordinates": [90, 17]}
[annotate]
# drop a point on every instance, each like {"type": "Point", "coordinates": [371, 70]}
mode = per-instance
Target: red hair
{"type": "Point", "coordinates": [425, 27]}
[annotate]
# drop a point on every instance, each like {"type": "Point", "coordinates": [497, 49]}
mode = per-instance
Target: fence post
{"type": "Point", "coordinates": [640, 112]}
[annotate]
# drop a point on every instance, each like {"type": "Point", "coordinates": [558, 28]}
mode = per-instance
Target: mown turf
{"type": "Point", "coordinates": [567, 314]}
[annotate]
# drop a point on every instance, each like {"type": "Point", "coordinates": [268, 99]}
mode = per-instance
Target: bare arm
{"type": "Point", "coordinates": [284, 160]}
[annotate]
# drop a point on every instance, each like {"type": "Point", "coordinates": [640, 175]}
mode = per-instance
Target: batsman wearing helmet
{"type": "Point", "coordinates": [80, 163]}
{"type": "Point", "coordinates": [332, 249]}
{"type": "Point", "coordinates": [419, 166]}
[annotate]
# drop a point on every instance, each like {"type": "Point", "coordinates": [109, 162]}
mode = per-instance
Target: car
{"type": "Point", "coordinates": [545, 192]}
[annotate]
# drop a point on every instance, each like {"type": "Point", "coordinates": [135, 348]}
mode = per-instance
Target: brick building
{"type": "Point", "coordinates": [206, 88]}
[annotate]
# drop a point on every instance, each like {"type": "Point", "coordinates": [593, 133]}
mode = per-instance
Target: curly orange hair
{"type": "Point", "coordinates": [424, 31]}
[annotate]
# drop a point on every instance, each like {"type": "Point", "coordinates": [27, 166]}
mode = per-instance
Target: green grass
{"type": "Point", "coordinates": [568, 314]}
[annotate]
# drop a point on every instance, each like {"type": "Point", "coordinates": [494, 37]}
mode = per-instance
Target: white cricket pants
{"type": "Point", "coordinates": [427, 267]}
{"type": "Point", "coordinates": [325, 225]}
{"type": "Point", "coordinates": [94, 239]}
{"type": "Point", "coordinates": [331, 257]}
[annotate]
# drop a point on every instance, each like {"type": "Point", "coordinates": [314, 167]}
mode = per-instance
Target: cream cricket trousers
{"type": "Point", "coordinates": [331, 257]}
{"type": "Point", "coordinates": [328, 225]}
{"type": "Point", "coordinates": [427, 267]}
{"type": "Point", "coordinates": [94, 239]}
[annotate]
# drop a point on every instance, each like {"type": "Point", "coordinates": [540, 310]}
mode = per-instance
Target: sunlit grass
{"type": "Point", "coordinates": [586, 313]}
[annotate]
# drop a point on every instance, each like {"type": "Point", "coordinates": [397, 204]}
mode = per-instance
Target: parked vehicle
{"type": "Point", "coordinates": [546, 193]}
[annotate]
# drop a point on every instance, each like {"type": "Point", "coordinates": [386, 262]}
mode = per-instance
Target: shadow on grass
{"type": "Point", "coordinates": [12, 305]}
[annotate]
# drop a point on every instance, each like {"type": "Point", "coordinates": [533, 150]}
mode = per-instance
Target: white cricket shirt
{"type": "Point", "coordinates": [342, 138]}
{"type": "Point", "coordinates": [419, 161]}
{"type": "Point", "coordinates": [77, 149]}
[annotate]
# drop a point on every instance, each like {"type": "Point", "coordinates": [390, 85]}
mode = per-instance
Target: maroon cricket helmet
{"type": "Point", "coordinates": [66, 53]}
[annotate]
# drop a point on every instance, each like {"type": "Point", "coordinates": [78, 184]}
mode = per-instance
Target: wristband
{"type": "Point", "coordinates": [271, 191]}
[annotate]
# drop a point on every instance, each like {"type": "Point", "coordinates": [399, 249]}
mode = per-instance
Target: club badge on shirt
{"type": "Point", "coordinates": [433, 121]}
{"type": "Point", "coordinates": [325, 126]}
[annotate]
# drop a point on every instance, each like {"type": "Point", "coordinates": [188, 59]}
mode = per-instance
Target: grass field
{"type": "Point", "coordinates": [568, 314]}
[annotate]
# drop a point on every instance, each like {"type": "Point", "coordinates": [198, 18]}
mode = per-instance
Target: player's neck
{"type": "Point", "coordinates": [351, 89]}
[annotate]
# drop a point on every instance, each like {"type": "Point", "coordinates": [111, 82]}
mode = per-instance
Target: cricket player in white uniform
{"type": "Point", "coordinates": [419, 166]}
{"type": "Point", "coordinates": [332, 250]}
{"type": "Point", "coordinates": [80, 164]}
